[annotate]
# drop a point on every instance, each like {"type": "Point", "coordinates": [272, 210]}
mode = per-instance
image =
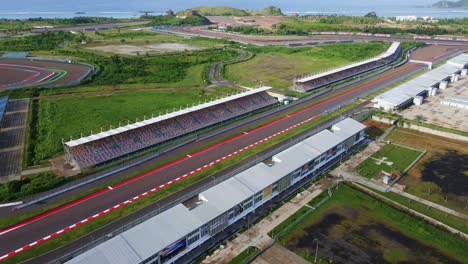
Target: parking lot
{"type": "Point", "coordinates": [433, 112]}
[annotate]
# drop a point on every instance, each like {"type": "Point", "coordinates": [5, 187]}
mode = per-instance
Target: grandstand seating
{"type": "Point", "coordinates": [121, 144]}
{"type": "Point", "coordinates": [341, 75]}
{"type": "Point", "coordinates": [3, 104]}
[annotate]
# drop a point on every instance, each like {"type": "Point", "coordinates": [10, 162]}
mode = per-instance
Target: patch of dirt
{"type": "Point", "coordinates": [151, 49]}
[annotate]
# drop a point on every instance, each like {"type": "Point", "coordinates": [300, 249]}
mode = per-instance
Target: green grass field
{"type": "Point", "coordinates": [278, 66]}
{"type": "Point", "coordinates": [389, 158]}
{"type": "Point", "coordinates": [352, 221]}
{"type": "Point", "coordinates": [72, 115]}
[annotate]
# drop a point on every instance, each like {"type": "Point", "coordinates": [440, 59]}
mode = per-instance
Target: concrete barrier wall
{"type": "Point", "coordinates": [422, 129]}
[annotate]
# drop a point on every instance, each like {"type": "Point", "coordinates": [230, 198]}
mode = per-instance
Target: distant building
{"type": "Point", "coordinates": [294, 14]}
{"type": "Point", "coordinates": [406, 18]}
{"type": "Point", "coordinates": [193, 12]}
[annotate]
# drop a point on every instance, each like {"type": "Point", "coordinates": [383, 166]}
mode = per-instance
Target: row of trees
{"type": "Point", "coordinates": [18, 189]}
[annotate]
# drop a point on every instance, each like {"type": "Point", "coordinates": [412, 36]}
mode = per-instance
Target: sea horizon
{"type": "Point", "coordinates": [123, 9]}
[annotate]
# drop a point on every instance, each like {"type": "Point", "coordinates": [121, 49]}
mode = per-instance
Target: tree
{"type": "Point", "coordinates": [371, 14]}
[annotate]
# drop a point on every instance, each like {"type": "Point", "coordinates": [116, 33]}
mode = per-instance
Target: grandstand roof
{"type": "Point", "coordinates": [418, 85]}
{"type": "Point", "coordinates": [129, 127]}
{"type": "Point", "coordinates": [393, 48]}
{"type": "Point", "coordinates": [150, 237]}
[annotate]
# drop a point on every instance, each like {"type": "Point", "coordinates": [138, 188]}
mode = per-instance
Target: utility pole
{"type": "Point", "coordinates": [316, 249]}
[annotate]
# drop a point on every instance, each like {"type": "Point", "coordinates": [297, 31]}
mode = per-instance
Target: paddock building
{"type": "Point", "coordinates": [422, 86]}
{"type": "Point", "coordinates": [174, 233]}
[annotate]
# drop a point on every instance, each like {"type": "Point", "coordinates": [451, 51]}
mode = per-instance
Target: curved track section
{"type": "Point", "coordinates": [20, 73]}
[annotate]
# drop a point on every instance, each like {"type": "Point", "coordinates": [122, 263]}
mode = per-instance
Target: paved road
{"type": "Point", "coordinates": [295, 40]}
{"type": "Point", "coordinates": [214, 71]}
{"type": "Point", "coordinates": [70, 215]}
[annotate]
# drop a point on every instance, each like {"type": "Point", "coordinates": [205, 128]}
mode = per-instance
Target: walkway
{"type": "Point", "coordinates": [257, 235]}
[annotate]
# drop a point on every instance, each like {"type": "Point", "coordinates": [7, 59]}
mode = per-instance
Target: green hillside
{"type": "Point", "coordinates": [452, 4]}
{"type": "Point", "coordinates": [231, 11]}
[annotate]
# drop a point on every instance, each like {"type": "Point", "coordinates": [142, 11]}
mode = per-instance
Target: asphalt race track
{"type": "Point", "coordinates": [201, 31]}
{"type": "Point", "coordinates": [18, 73]}
{"type": "Point", "coordinates": [68, 217]}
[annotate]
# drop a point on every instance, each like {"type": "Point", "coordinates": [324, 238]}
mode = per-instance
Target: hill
{"type": "Point", "coordinates": [189, 20]}
{"type": "Point", "coordinates": [451, 4]}
{"type": "Point", "coordinates": [231, 11]}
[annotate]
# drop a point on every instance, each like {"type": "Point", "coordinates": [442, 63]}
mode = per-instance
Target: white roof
{"type": "Point", "coordinates": [411, 89]}
{"type": "Point", "coordinates": [150, 237]}
{"type": "Point", "coordinates": [114, 131]}
{"type": "Point", "coordinates": [393, 48]}
{"type": "Point", "coordinates": [454, 102]}
{"type": "Point", "coordinates": [347, 128]}
{"type": "Point", "coordinates": [458, 98]}
{"type": "Point", "coordinates": [460, 61]}
{"type": "Point", "coordinates": [143, 240]}
{"type": "Point", "coordinates": [220, 198]}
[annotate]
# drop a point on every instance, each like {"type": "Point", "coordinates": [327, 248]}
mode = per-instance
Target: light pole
{"type": "Point", "coordinates": [316, 249]}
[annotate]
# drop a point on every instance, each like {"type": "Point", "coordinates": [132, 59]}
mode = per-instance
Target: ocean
{"type": "Point", "coordinates": [23, 9]}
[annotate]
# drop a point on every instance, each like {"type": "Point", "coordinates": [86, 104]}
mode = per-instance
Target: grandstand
{"type": "Point", "coordinates": [3, 104]}
{"type": "Point", "coordinates": [316, 81]}
{"type": "Point", "coordinates": [167, 237]}
{"type": "Point", "coordinates": [112, 144]}
{"type": "Point", "coordinates": [403, 95]}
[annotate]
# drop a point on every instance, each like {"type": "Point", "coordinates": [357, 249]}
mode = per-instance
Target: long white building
{"type": "Point", "coordinates": [172, 234]}
{"type": "Point", "coordinates": [426, 84]}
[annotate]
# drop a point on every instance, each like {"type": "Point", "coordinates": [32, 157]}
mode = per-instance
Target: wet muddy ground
{"type": "Point", "coordinates": [349, 235]}
{"type": "Point", "coordinates": [449, 171]}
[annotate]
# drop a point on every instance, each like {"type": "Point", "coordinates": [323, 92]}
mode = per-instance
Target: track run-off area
{"type": "Point", "coordinates": [44, 227]}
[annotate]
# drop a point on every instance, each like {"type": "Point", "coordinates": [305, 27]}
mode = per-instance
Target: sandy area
{"type": "Point", "coordinates": [261, 21]}
{"type": "Point", "coordinates": [153, 48]}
